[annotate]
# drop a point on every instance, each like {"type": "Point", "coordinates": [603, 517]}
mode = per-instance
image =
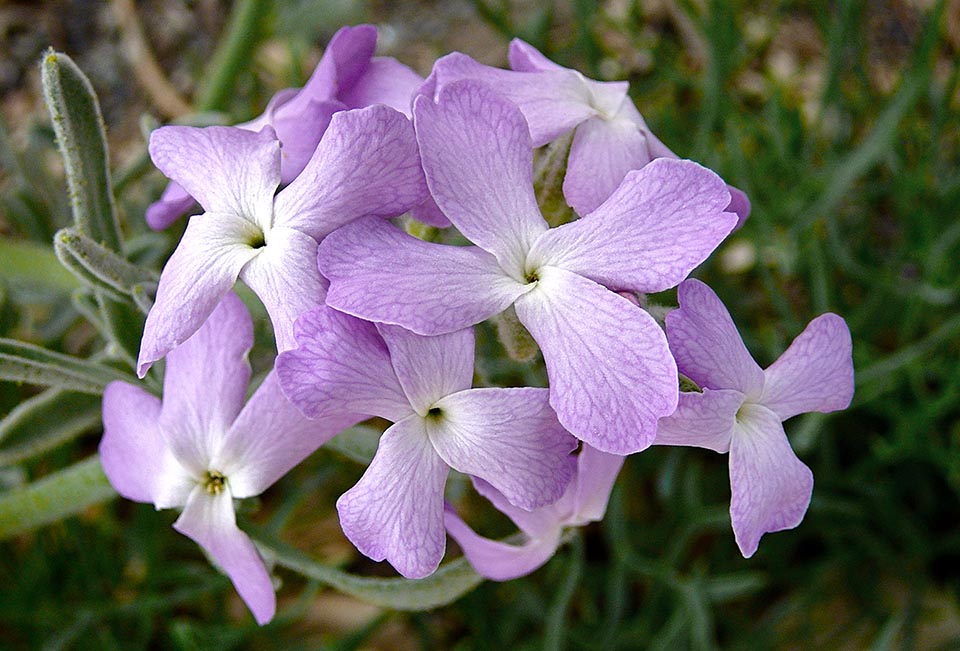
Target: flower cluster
{"type": "Point", "coordinates": [370, 321]}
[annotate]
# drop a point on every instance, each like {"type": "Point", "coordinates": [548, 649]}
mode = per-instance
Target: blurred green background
{"type": "Point", "coordinates": [841, 120]}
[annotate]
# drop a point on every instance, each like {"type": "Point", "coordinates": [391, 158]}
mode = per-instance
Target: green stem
{"type": "Point", "coordinates": [56, 496]}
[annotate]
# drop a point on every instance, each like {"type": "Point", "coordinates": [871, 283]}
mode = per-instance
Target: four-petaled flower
{"type": "Point", "coordinates": [508, 437]}
{"type": "Point", "coordinates": [742, 407]}
{"type": "Point", "coordinates": [610, 370]}
{"type": "Point", "coordinates": [201, 447]}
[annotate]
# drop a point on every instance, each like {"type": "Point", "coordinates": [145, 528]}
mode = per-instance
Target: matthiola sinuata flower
{"type": "Point", "coordinates": [610, 137]}
{"type": "Point", "coordinates": [611, 373]}
{"type": "Point", "coordinates": [508, 437]}
{"type": "Point", "coordinates": [366, 164]}
{"type": "Point", "coordinates": [201, 447]}
{"type": "Point", "coordinates": [742, 407]}
{"type": "Point", "coordinates": [348, 76]}
{"type": "Point", "coordinates": [584, 501]}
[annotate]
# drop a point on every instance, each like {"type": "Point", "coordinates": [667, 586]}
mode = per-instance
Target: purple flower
{"type": "Point", "coordinates": [610, 136]}
{"type": "Point", "coordinates": [584, 501]}
{"type": "Point", "coordinates": [201, 447]}
{"type": "Point", "coordinates": [348, 76]}
{"type": "Point", "coordinates": [508, 437]}
{"type": "Point", "coordinates": [610, 369]}
{"type": "Point", "coordinates": [366, 164]}
{"type": "Point", "coordinates": [742, 407]}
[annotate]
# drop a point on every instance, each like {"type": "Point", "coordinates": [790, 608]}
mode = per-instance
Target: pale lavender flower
{"type": "Point", "coordinates": [366, 164]}
{"type": "Point", "coordinates": [742, 407]}
{"type": "Point", "coordinates": [201, 447]}
{"type": "Point", "coordinates": [610, 137]}
{"type": "Point", "coordinates": [584, 501]}
{"type": "Point", "coordinates": [610, 369]}
{"type": "Point", "coordinates": [348, 76]}
{"type": "Point", "coordinates": [508, 437]}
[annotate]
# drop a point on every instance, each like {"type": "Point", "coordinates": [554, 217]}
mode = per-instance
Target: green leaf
{"type": "Point", "coordinates": [80, 133]}
{"type": "Point", "coordinates": [22, 362]}
{"type": "Point", "coordinates": [28, 263]}
{"type": "Point", "coordinates": [358, 443]}
{"type": "Point", "coordinates": [98, 265]}
{"type": "Point", "coordinates": [123, 327]}
{"type": "Point", "coordinates": [56, 496]}
{"type": "Point", "coordinates": [446, 585]}
{"type": "Point", "coordinates": [44, 422]}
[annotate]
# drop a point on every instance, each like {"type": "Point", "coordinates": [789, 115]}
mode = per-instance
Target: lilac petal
{"type": "Point", "coordinates": [497, 560]}
{"type": "Point", "coordinates": [225, 169]}
{"type": "Point", "coordinates": [173, 203]}
{"type": "Point", "coordinates": [770, 487]}
{"type": "Point", "coordinates": [385, 81]}
{"type": "Point", "coordinates": [703, 420]}
{"type": "Point", "coordinates": [300, 129]}
{"type": "Point", "coordinates": [286, 278]}
{"type": "Point", "coordinates": [380, 273]}
{"type": "Point", "coordinates": [209, 520]}
{"type": "Point", "coordinates": [478, 162]}
{"type": "Point", "coordinates": [539, 522]}
{"type": "Point", "coordinates": [429, 213]}
{"type": "Point", "coordinates": [707, 345]}
{"type": "Point", "coordinates": [341, 367]}
{"type": "Point", "coordinates": [602, 153]}
{"type": "Point", "coordinates": [815, 373]}
{"type": "Point", "coordinates": [367, 163]}
{"type": "Point", "coordinates": [662, 221]}
{"type": "Point", "coordinates": [132, 446]}
{"type": "Point", "coordinates": [509, 437]}
{"type": "Point", "coordinates": [205, 383]}
{"type": "Point", "coordinates": [204, 267]}
{"type": "Point", "coordinates": [611, 373]}
{"type": "Point", "coordinates": [739, 204]}
{"type": "Point", "coordinates": [430, 368]}
{"type": "Point", "coordinates": [553, 102]}
{"type": "Point", "coordinates": [395, 511]}
{"type": "Point", "coordinates": [524, 57]}
{"type": "Point", "coordinates": [596, 473]}
{"type": "Point", "coordinates": [269, 437]}
{"type": "Point", "coordinates": [344, 60]}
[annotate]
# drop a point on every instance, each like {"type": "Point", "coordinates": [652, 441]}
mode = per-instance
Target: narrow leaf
{"type": "Point", "coordinates": [44, 422]}
{"type": "Point", "coordinates": [102, 263]}
{"type": "Point", "coordinates": [24, 263]}
{"type": "Point", "coordinates": [22, 362]}
{"type": "Point", "coordinates": [79, 127]}
{"type": "Point", "coordinates": [446, 585]}
{"type": "Point", "coordinates": [56, 496]}
{"type": "Point", "coordinates": [123, 328]}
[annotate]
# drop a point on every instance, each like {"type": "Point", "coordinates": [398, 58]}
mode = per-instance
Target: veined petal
{"type": "Point", "coordinates": [662, 221]}
{"type": "Point", "coordinates": [497, 560]}
{"type": "Point", "coordinates": [226, 169]}
{"type": "Point", "coordinates": [524, 57]}
{"type": "Point", "coordinates": [285, 277]}
{"type": "Point", "coordinates": [173, 203]}
{"type": "Point", "coordinates": [205, 383]}
{"type": "Point", "coordinates": [210, 521]}
{"type": "Point", "coordinates": [552, 101]}
{"type": "Point", "coordinates": [269, 437]}
{"type": "Point", "coordinates": [344, 60]}
{"type": "Point", "coordinates": [380, 273]}
{"type": "Point", "coordinates": [132, 446]}
{"type": "Point", "coordinates": [706, 343]}
{"type": "Point", "coordinates": [611, 372]}
{"type": "Point", "coordinates": [702, 420]}
{"type": "Point", "coordinates": [430, 368]}
{"type": "Point", "coordinates": [815, 373]}
{"type": "Point", "coordinates": [341, 366]}
{"type": "Point", "coordinates": [385, 81]}
{"type": "Point", "coordinates": [770, 487]}
{"type": "Point", "coordinates": [429, 213]}
{"type": "Point", "coordinates": [478, 161]}
{"type": "Point", "coordinates": [202, 269]}
{"type": "Point", "coordinates": [508, 437]}
{"type": "Point", "coordinates": [596, 474]}
{"type": "Point", "coordinates": [602, 153]}
{"type": "Point", "coordinates": [395, 511]}
{"type": "Point", "coordinates": [299, 126]}
{"type": "Point", "coordinates": [539, 522]}
{"type": "Point", "coordinates": [367, 163]}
